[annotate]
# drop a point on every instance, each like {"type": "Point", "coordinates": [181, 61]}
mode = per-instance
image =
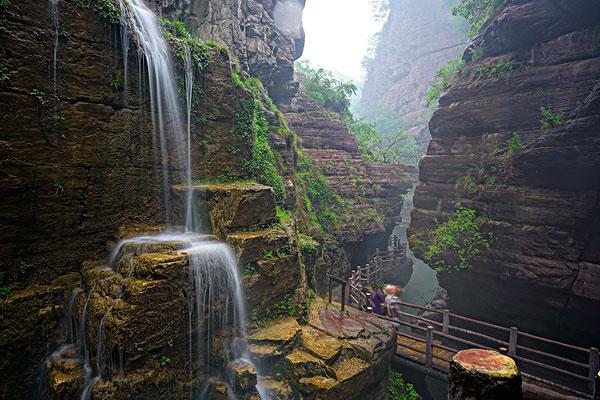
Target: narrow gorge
{"type": "Point", "coordinates": [193, 209]}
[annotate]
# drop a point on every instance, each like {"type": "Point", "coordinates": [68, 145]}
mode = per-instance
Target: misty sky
{"type": "Point", "coordinates": [337, 34]}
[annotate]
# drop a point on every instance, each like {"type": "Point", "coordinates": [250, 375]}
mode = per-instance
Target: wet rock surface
{"type": "Point", "coordinates": [483, 374]}
{"type": "Point", "coordinates": [540, 202]}
{"type": "Point", "coordinates": [373, 191]}
{"type": "Point", "coordinates": [398, 77]}
{"type": "Point", "coordinates": [325, 358]}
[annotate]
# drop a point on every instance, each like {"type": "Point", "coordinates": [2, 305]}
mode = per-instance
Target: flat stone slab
{"type": "Point", "coordinates": [318, 385]}
{"type": "Point", "coordinates": [350, 368]}
{"type": "Point", "coordinates": [323, 346]}
{"type": "Point", "coordinates": [283, 331]}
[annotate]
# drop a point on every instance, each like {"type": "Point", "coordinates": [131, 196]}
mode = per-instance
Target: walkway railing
{"type": "Point", "coordinates": [559, 365]}
{"type": "Point", "coordinates": [432, 338]}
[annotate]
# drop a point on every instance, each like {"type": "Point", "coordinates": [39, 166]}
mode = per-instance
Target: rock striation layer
{"type": "Point", "coordinates": [533, 175]}
{"type": "Point", "coordinates": [373, 190]}
{"type": "Point", "coordinates": [267, 36]}
{"type": "Point", "coordinates": [417, 39]}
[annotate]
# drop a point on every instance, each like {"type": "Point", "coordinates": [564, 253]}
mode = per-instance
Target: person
{"type": "Point", "coordinates": [377, 301]}
{"type": "Point", "coordinates": [392, 300]}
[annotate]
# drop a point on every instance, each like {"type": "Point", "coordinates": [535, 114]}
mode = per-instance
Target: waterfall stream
{"type": "Point", "coordinates": [217, 307]}
{"type": "Point", "coordinates": [54, 17]}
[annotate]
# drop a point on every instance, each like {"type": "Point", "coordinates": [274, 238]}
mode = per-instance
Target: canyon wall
{"type": "Point", "coordinates": [266, 36]}
{"type": "Point", "coordinates": [531, 174]}
{"type": "Point", "coordinates": [417, 39]}
{"type": "Point", "coordinates": [81, 161]}
{"type": "Point", "coordinates": [373, 191]}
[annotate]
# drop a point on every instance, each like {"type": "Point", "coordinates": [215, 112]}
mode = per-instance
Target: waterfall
{"type": "Point", "coordinates": [54, 17]}
{"type": "Point", "coordinates": [190, 218]}
{"type": "Point", "coordinates": [217, 306]}
{"type": "Point", "coordinates": [166, 116]}
{"type": "Point", "coordinates": [87, 369]}
{"type": "Point", "coordinates": [218, 310]}
{"type": "Point", "coordinates": [125, 45]}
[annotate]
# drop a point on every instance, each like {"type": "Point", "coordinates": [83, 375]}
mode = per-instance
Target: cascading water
{"type": "Point", "coordinates": [217, 315]}
{"type": "Point", "coordinates": [218, 309]}
{"type": "Point", "coordinates": [190, 218]}
{"type": "Point", "coordinates": [166, 115]}
{"type": "Point", "coordinates": [54, 17]}
{"type": "Point", "coordinates": [125, 48]}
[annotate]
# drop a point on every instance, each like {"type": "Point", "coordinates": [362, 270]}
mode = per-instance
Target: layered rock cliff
{"type": "Point", "coordinates": [81, 170]}
{"type": "Point", "coordinates": [417, 39]}
{"type": "Point", "coordinates": [266, 36]}
{"type": "Point", "coordinates": [516, 139]}
{"type": "Point", "coordinates": [373, 191]}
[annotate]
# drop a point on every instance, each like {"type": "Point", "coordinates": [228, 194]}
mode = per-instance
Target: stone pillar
{"type": "Point", "coordinates": [483, 374]}
{"type": "Point", "coordinates": [597, 391]}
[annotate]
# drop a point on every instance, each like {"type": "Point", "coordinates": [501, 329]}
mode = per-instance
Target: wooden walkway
{"type": "Point", "coordinates": [429, 338]}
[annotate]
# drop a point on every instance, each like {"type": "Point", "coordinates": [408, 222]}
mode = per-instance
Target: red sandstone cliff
{"type": "Point", "coordinates": [540, 202]}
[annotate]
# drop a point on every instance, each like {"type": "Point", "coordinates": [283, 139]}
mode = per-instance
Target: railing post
{"type": "Point", "coordinates": [429, 348]}
{"type": "Point", "coordinates": [446, 322]}
{"type": "Point", "coordinates": [594, 366]}
{"type": "Point", "coordinates": [377, 265]}
{"type": "Point", "coordinates": [512, 341]}
{"type": "Point", "coordinates": [343, 297]}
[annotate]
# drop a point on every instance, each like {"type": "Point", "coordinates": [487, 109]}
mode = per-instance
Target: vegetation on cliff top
{"type": "Point", "coordinates": [392, 147]}
{"type": "Point", "coordinates": [457, 242]}
{"type": "Point", "coordinates": [477, 12]}
{"type": "Point", "coordinates": [319, 84]}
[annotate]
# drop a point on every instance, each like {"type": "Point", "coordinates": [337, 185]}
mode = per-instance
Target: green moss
{"type": "Point", "coordinates": [250, 122]}
{"type": "Point", "coordinates": [179, 38]}
{"type": "Point", "coordinates": [322, 203]}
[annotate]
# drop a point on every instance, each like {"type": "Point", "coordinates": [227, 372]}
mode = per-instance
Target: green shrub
{"type": "Point", "coordinates": [249, 270]}
{"type": "Point", "coordinates": [109, 10]}
{"type": "Point", "coordinates": [466, 184]}
{"type": "Point", "coordinates": [320, 85]}
{"type": "Point", "coordinates": [455, 243]}
{"type": "Point", "coordinates": [477, 12]}
{"type": "Point", "coordinates": [498, 69]}
{"type": "Point", "coordinates": [118, 83]}
{"type": "Point", "coordinates": [286, 308]}
{"type": "Point", "coordinates": [5, 291]}
{"type": "Point", "coordinates": [5, 75]}
{"type": "Point", "coordinates": [550, 119]}
{"type": "Point", "coordinates": [444, 78]}
{"type": "Point", "coordinates": [4, 3]}
{"type": "Point", "coordinates": [374, 146]}
{"type": "Point", "coordinates": [514, 144]}
{"type": "Point", "coordinates": [283, 215]}
{"type": "Point", "coordinates": [400, 390]}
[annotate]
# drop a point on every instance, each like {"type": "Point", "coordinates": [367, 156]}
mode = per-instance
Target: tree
{"type": "Point", "coordinates": [320, 85]}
